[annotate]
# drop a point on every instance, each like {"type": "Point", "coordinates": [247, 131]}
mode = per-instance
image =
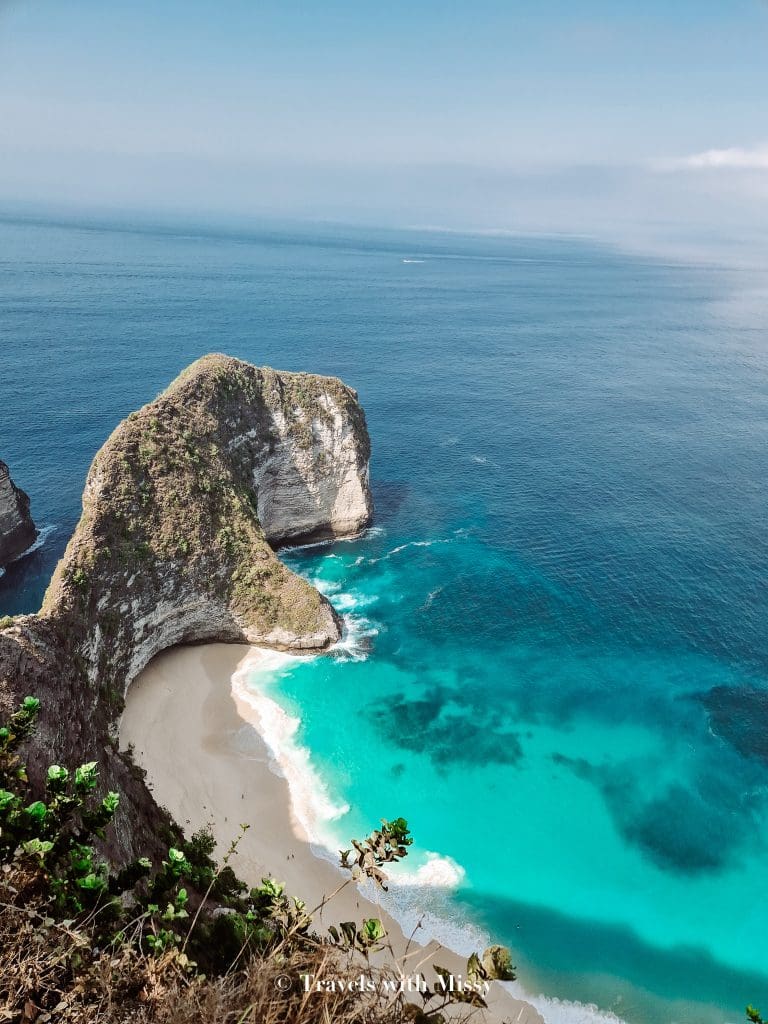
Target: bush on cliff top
{"type": "Point", "coordinates": [185, 941]}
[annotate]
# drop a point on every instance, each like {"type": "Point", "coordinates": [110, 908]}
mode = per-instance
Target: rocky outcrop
{"type": "Point", "coordinates": [183, 504]}
{"type": "Point", "coordinates": [17, 531]}
{"type": "Point", "coordinates": [181, 509]}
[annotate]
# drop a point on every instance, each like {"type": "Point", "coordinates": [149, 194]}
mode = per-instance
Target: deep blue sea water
{"type": "Point", "coordinates": [560, 673]}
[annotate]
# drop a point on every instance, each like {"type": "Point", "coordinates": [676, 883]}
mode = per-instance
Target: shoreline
{"type": "Point", "coordinates": [208, 762]}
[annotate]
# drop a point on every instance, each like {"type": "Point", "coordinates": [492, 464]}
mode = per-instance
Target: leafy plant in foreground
{"type": "Point", "coordinates": [383, 846]}
{"type": "Point", "coordinates": [185, 916]}
{"type": "Point", "coordinates": [56, 833]}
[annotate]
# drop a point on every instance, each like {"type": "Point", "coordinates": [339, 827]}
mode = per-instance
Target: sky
{"type": "Point", "coordinates": [531, 115]}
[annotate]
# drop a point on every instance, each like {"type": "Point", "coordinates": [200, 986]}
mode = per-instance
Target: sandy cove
{"type": "Point", "coordinates": [207, 764]}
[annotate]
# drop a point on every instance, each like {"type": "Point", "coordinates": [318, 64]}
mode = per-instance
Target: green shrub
{"type": "Point", "coordinates": [79, 578]}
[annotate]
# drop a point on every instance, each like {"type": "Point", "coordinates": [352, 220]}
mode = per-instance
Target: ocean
{"type": "Point", "coordinates": [556, 661]}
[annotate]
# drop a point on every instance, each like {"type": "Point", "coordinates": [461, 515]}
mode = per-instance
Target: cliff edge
{"type": "Point", "coordinates": [181, 509]}
{"type": "Point", "coordinates": [17, 531]}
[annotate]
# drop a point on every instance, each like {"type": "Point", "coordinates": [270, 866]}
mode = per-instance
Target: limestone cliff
{"type": "Point", "coordinates": [180, 511]}
{"type": "Point", "coordinates": [17, 531]}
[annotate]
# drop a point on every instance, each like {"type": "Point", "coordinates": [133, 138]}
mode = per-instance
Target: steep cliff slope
{"type": "Point", "coordinates": [180, 509]}
{"type": "Point", "coordinates": [17, 531]}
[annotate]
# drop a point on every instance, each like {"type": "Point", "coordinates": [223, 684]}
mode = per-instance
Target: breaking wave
{"type": "Point", "coordinates": [562, 1011]}
{"type": "Point", "coordinates": [437, 872]}
{"type": "Point", "coordinates": [367, 534]}
{"type": "Point", "coordinates": [43, 535]}
{"type": "Point", "coordinates": [403, 547]}
{"type": "Point", "coordinates": [311, 803]}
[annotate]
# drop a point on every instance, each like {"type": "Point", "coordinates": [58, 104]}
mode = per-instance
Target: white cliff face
{"type": "Point", "coordinates": [17, 531]}
{"type": "Point", "coordinates": [316, 489]}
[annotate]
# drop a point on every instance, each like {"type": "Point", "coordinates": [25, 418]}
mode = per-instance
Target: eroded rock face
{"type": "Point", "coordinates": [180, 511]}
{"type": "Point", "coordinates": [17, 531]}
{"type": "Point", "coordinates": [183, 503]}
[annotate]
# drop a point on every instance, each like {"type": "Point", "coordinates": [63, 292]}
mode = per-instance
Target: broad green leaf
{"type": "Point", "coordinates": [86, 775]}
{"type": "Point", "coordinates": [110, 802]}
{"type": "Point", "coordinates": [271, 887]}
{"type": "Point", "coordinates": [6, 799]}
{"type": "Point", "coordinates": [373, 930]}
{"type": "Point", "coordinates": [37, 810]}
{"type": "Point", "coordinates": [37, 846]}
{"type": "Point", "coordinates": [92, 882]}
{"type": "Point", "coordinates": [57, 774]}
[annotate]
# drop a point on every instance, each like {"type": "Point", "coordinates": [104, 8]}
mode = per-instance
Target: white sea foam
{"type": "Point", "coordinates": [371, 531]}
{"type": "Point", "coordinates": [408, 544]}
{"type": "Point", "coordinates": [42, 537]}
{"type": "Point", "coordinates": [437, 873]}
{"type": "Point", "coordinates": [423, 911]}
{"type": "Point", "coordinates": [563, 1011]}
{"type": "Point", "coordinates": [308, 547]}
{"type": "Point", "coordinates": [357, 629]}
{"type": "Point", "coordinates": [327, 587]}
{"type": "Point", "coordinates": [356, 640]}
{"type": "Point", "coordinates": [347, 602]}
{"type": "Point", "coordinates": [311, 803]}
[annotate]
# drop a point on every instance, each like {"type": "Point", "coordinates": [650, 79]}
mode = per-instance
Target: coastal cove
{"type": "Point", "coordinates": [210, 767]}
{"type": "Point", "coordinates": [555, 658]}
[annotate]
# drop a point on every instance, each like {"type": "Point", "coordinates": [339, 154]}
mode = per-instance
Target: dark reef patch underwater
{"type": "Point", "coordinates": [558, 668]}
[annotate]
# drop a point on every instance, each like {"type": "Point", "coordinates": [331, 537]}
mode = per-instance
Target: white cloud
{"type": "Point", "coordinates": [736, 158]}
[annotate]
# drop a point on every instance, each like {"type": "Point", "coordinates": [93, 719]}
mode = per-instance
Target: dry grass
{"type": "Point", "coordinates": [52, 971]}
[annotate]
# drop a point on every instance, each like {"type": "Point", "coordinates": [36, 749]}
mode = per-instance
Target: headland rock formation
{"type": "Point", "coordinates": [17, 531]}
{"type": "Point", "coordinates": [182, 509]}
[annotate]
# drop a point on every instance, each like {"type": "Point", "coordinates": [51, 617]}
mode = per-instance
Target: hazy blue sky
{"type": "Point", "coordinates": [532, 114]}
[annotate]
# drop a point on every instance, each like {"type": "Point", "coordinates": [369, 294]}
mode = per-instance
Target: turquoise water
{"type": "Point", "coordinates": [583, 781]}
{"type": "Point", "coordinates": [558, 658]}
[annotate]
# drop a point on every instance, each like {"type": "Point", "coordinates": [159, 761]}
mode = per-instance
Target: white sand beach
{"type": "Point", "coordinates": [207, 764]}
